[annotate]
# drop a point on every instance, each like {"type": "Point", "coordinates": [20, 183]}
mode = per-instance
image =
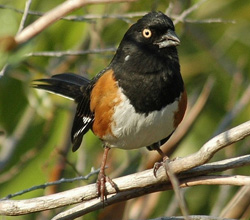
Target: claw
{"type": "Point", "coordinates": [100, 183]}
{"type": "Point", "coordinates": [157, 165]}
{"type": "Point", "coordinates": [101, 188]}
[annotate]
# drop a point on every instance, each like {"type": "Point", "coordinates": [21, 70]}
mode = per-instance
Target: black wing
{"type": "Point", "coordinates": [84, 118]}
{"type": "Point", "coordinates": [77, 88]}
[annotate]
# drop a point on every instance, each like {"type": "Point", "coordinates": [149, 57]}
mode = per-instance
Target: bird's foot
{"type": "Point", "coordinates": [101, 188]}
{"type": "Point", "coordinates": [157, 165]}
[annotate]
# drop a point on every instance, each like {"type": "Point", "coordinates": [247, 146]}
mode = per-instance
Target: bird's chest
{"type": "Point", "coordinates": [131, 129]}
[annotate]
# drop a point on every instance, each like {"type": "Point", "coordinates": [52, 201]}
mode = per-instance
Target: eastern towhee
{"type": "Point", "coordinates": [138, 100]}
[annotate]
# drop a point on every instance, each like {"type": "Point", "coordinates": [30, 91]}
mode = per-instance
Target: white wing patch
{"type": "Point", "coordinates": [86, 121]}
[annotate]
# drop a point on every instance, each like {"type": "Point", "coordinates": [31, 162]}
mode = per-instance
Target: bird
{"type": "Point", "coordinates": [137, 101]}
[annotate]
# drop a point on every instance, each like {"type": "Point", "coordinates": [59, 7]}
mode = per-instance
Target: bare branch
{"type": "Point", "coordinates": [179, 194]}
{"type": "Point", "coordinates": [71, 53]}
{"type": "Point", "coordinates": [203, 21]}
{"type": "Point", "coordinates": [130, 186]}
{"type": "Point", "coordinates": [239, 203]}
{"type": "Point", "coordinates": [188, 11]}
{"type": "Point", "coordinates": [25, 14]}
{"type": "Point", "coordinates": [11, 40]}
{"type": "Point", "coordinates": [238, 107]}
{"type": "Point", "coordinates": [218, 166]}
{"type": "Point", "coordinates": [55, 14]}
{"type": "Point", "coordinates": [212, 146]}
{"type": "Point", "coordinates": [125, 16]}
{"type": "Point", "coordinates": [58, 182]}
{"type": "Point", "coordinates": [85, 18]}
{"type": "Point", "coordinates": [3, 70]}
{"type": "Point", "coordinates": [94, 204]}
{"type": "Point", "coordinates": [236, 180]}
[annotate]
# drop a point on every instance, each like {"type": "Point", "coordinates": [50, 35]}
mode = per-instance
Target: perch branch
{"type": "Point", "coordinates": [130, 186]}
{"type": "Point", "coordinates": [186, 182]}
{"type": "Point", "coordinates": [95, 204]}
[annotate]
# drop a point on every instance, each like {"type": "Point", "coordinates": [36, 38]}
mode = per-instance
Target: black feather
{"type": "Point", "coordinates": [74, 87]}
{"type": "Point", "coordinates": [65, 84]}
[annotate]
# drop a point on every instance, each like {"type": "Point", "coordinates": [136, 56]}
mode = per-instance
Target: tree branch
{"type": "Point", "coordinates": [58, 182]}
{"type": "Point", "coordinates": [25, 14]}
{"type": "Point", "coordinates": [95, 204]}
{"type": "Point", "coordinates": [133, 185]}
{"type": "Point", "coordinates": [71, 53]}
{"type": "Point", "coordinates": [197, 179]}
{"type": "Point", "coordinates": [90, 17]}
{"type": "Point", "coordinates": [188, 11]}
{"type": "Point", "coordinates": [55, 14]}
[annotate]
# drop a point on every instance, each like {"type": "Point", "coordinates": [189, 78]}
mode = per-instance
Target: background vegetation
{"type": "Point", "coordinates": [35, 126]}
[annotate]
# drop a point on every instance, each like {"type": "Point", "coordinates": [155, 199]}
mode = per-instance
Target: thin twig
{"type": "Point", "coordinates": [21, 26]}
{"type": "Point", "coordinates": [236, 180]}
{"type": "Point", "coordinates": [188, 11]}
{"type": "Point", "coordinates": [58, 182]}
{"type": "Point", "coordinates": [71, 53]}
{"type": "Point", "coordinates": [25, 14]}
{"type": "Point", "coordinates": [204, 21]}
{"type": "Point", "coordinates": [238, 204]}
{"type": "Point", "coordinates": [236, 110]}
{"type": "Point", "coordinates": [91, 17]}
{"type": "Point", "coordinates": [179, 194]}
{"type": "Point", "coordinates": [3, 70]}
{"type": "Point", "coordinates": [218, 166]}
{"type": "Point", "coordinates": [55, 14]}
{"type": "Point", "coordinates": [84, 18]}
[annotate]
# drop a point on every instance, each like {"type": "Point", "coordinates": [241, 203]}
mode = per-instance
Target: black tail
{"type": "Point", "coordinates": [65, 84]}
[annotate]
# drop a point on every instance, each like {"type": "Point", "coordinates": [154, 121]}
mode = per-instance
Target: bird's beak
{"type": "Point", "coordinates": [169, 39]}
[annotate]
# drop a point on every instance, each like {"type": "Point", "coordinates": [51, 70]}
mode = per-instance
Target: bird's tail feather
{"type": "Point", "coordinates": [65, 84]}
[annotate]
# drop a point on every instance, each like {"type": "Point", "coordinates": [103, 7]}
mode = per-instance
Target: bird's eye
{"type": "Point", "coordinates": [146, 33]}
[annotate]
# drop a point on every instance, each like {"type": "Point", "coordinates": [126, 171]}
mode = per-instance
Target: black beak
{"type": "Point", "coordinates": [169, 39]}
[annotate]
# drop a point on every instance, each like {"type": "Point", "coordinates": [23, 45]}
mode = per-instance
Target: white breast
{"type": "Point", "coordinates": [133, 130]}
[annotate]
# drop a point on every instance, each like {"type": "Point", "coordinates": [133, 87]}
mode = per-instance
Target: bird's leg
{"type": "Point", "coordinates": [102, 178]}
{"type": "Point", "coordinates": [157, 165]}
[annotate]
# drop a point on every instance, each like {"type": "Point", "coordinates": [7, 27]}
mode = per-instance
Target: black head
{"type": "Point", "coordinates": [148, 46]}
{"type": "Point", "coordinates": [155, 30]}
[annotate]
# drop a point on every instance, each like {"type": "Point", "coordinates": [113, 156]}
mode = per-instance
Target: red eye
{"type": "Point", "coordinates": [146, 33]}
